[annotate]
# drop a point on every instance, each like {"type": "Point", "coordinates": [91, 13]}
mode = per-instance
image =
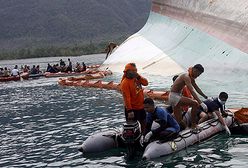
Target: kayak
{"type": "Point", "coordinates": [109, 139]}
{"type": "Point", "coordinates": [63, 74]}
{"type": "Point", "coordinates": [34, 76]}
{"type": "Point", "coordinates": [24, 75]}
{"type": "Point", "coordinates": [93, 66]}
{"type": "Point", "coordinates": [96, 84]}
{"type": "Point", "coordinates": [83, 82]}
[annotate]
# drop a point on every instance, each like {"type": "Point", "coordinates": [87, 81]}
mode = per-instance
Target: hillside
{"type": "Point", "coordinates": [39, 24]}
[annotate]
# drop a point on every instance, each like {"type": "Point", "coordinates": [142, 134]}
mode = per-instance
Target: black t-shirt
{"type": "Point", "coordinates": [213, 105]}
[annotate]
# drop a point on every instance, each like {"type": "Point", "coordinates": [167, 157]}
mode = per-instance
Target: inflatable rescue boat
{"type": "Point", "coordinates": [105, 140]}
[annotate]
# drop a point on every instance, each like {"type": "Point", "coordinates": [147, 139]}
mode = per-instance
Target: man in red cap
{"type": "Point", "coordinates": [131, 88]}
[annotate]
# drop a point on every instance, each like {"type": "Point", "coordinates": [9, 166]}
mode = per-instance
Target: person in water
{"type": "Point", "coordinates": [168, 127]}
{"type": "Point", "coordinates": [214, 106]}
{"type": "Point", "coordinates": [131, 89]}
{"type": "Point", "coordinates": [178, 101]}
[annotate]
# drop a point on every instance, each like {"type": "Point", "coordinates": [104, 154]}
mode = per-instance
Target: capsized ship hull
{"type": "Point", "coordinates": [181, 33]}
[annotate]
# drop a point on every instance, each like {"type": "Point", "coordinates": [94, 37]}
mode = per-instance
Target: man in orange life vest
{"type": "Point", "coordinates": [131, 88]}
{"type": "Point", "coordinates": [178, 101]}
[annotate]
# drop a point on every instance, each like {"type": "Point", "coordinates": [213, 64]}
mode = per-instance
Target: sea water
{"type": "Point", "coordinates": [42, 124]}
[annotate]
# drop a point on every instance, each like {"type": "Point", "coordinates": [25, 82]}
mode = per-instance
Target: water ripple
{"type": "Point", "coordinates": [43, 124]}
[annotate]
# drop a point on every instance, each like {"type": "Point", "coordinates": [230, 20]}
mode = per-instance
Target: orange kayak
{"type": "Point", "coordinates": [92, 75]}
{"type": "Point", "coordinates": [65, 74]}
{"type": "Point", "coordinates": [24, 75]}
{"type": "Point", "coordinates": [84, 82]}
{"type": "Point", "coordinates": [93, 66]}
{"type": "Point", "coordinates": [62, 74]}
{"type": "Point", "coordinates": [81, 80]}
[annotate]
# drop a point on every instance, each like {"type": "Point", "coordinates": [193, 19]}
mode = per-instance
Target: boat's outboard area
{"type": "Point", "coordinates": [131, 137]}
{"type": "Point", "coordinates": [131, 132]}
{"type": "Point", "coordinates": [100, 142]}
{"type": "Point", "coordinates": [126, 137]}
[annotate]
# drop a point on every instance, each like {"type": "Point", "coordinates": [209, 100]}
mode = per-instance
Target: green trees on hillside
{"type": "Point", "coordinates": [53, 51]}
{"type": "Point", "coordinates": [63, 28]}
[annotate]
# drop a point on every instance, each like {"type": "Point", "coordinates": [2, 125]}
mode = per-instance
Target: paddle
{"type": "Point", "coordinates": [21, 78]}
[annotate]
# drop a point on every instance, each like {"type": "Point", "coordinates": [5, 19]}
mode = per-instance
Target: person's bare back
{"type": "Point", "coordinates": [179, 83]}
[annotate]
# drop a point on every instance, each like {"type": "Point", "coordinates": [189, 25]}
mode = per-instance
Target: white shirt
{"type": "Point", "coordinates": [14, 72]}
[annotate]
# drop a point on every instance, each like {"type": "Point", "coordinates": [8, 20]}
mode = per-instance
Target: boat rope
{"type": "Point", "coordinates": [189, 133]}
{"type": "Point", "coordinates": [235, 122]}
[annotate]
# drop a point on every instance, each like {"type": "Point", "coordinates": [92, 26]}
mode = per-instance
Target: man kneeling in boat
{"type": "Point", "coordinates": [178, 101]}
{"type": "Point", "coordinates": [214, 106]}
{"type": "Point", "coordinates": [168, 127]}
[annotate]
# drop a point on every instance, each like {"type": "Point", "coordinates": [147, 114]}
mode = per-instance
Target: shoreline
{"type": "Point", "coordinates": [53, 52]}
{"type": "Point", "coordinates": [44, 60]}
{"type": "Point", "coordinates": [58, 51]}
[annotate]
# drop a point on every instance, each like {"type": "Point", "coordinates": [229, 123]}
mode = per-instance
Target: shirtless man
{"type": "Point", "coordinates": [178, 101]}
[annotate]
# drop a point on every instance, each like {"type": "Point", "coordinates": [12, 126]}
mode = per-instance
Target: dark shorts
{"type": "Point", "coordinates": [198, 112]}
{"type": "Point", "coordinates": [139, 115]}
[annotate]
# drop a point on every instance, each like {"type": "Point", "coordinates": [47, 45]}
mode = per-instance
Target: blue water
{"type": "Point", "coordinates": [42, 125]}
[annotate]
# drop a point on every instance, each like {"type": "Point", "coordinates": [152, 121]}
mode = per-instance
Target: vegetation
{"type": "Point", "coordinates": [65, 27]}
{"type": "Point", "coordinates": [53, 51]}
